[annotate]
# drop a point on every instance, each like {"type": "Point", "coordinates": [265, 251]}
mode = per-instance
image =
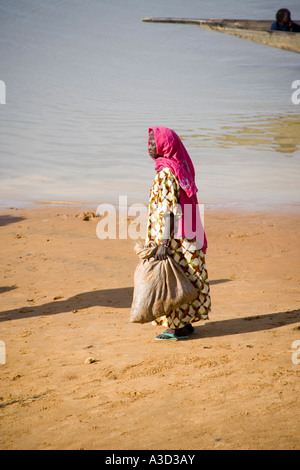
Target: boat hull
{"type": "Point", "coordinates": [251, 30]}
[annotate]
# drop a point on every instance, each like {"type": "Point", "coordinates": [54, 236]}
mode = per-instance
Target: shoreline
{"type": "Point", "coordinates": [230, 206]}
{"type": "Point", "coordinates": [78, 374]}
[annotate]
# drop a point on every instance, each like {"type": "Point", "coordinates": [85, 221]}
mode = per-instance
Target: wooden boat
{"type": "Point", "coordinates": [251, 30]}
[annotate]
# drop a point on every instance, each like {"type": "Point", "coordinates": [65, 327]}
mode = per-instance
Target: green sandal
{"type": "Point", "coordinates": [169, 336]}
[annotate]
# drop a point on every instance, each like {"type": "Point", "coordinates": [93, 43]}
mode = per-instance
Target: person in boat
{"type": "Point", "coordinates": [174, 224]}
{"type": "Point", "coordinates": [284, 22]}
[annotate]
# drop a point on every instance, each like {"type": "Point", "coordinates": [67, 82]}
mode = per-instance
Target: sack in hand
{"type": "Point", "coordinates": [159, 286]}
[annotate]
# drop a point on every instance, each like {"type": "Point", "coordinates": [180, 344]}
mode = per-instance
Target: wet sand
{"type": "Point", "coordinates": [78, 375]}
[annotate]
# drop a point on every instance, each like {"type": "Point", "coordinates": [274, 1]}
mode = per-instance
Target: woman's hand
{"type": "Point", "coordinates": [161, 253]}
{"type": "Point", "coordinates": [162, 250]}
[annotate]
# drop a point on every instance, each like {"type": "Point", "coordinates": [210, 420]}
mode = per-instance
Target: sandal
{"type": "Point", "coordinates": [164, 336]}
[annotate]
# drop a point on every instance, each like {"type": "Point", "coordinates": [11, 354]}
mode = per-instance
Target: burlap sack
{"type": "Point", "coordinates": [159, 286]}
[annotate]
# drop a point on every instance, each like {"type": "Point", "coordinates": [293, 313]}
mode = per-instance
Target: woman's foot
{"type": "Point", "coordinates": [190, 328]}
{"type": "Point", "coordinates": [174, 334]}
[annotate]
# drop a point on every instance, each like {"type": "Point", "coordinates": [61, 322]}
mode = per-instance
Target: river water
{"type": "Point", "coordinates": [85, 79]}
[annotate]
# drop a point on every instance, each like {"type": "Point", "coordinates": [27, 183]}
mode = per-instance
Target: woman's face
{"type": "Point", "coordinates": [152, 146]}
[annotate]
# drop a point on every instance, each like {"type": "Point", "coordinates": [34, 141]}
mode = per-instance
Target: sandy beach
{"type": "Point", "coordinates": [79, 375]}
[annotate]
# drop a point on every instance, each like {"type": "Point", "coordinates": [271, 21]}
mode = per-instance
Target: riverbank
{"type": "Point", "coordinates": [79, 375]}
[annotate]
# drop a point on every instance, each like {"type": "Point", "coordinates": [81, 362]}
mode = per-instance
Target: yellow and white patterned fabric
{"type": "Point", "coordinates": [164, 199]}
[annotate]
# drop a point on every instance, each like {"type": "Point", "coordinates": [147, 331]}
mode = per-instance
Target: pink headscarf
{"type": "Point", "coordinates": [175, 157]}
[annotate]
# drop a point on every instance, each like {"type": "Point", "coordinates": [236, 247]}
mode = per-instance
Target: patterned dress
{"type": "Point", "coordinates": [164, 199]}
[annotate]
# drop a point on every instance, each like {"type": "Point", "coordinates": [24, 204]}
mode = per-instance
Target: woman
{"type": "Point", "coordinates": [174, 224]}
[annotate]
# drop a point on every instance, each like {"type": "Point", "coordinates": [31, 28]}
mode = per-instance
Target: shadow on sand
{"type": "Point", "coordinates": [9, 219]}
{"type": "Point", "coordinates": [115, 298]}
{"type": "Point", "coordinates": [236, 326]}
{"type": "Point", "coordinates": [122, 298]}
{"type": "Point", "coordinates": [7, 289]}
